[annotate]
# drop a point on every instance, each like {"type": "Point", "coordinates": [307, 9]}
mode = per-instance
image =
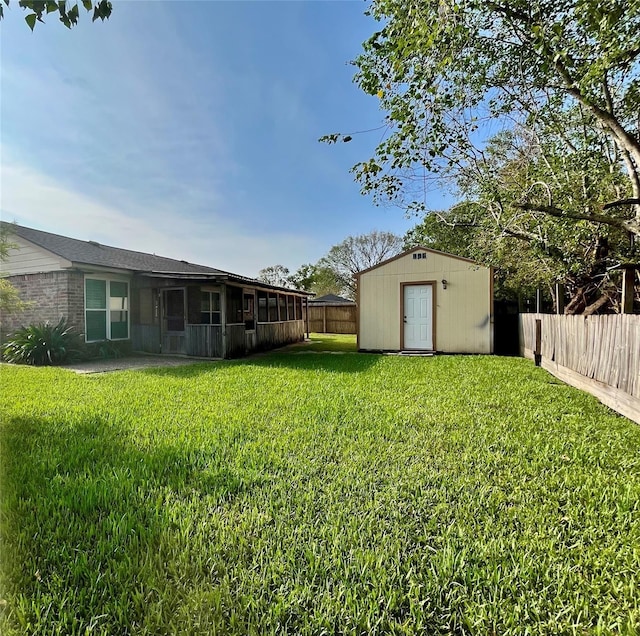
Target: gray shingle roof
{"type": "Point", "coordinates": [92, 253]}
{"type": "Point", "coordinates": [331, 299]}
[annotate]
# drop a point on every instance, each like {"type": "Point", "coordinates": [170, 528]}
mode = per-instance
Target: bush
{"type": "Point", "coordinates": [43, 344]}
{"type": "Point", "coordinates": [108, 349]}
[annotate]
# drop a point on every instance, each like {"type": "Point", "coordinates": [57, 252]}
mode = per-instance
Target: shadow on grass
{"type": "Point", "coordinates": [301, 361]}
{"type": "Point", "coordinates": [88, 518]}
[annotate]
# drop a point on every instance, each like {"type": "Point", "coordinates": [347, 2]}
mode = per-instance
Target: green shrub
{"type": "Point", "coordinates": [109, 349]}
{"type": "Point", "coordinates": [43, 344]}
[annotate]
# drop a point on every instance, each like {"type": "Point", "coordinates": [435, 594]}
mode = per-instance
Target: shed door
{"type": "Point", "coordinates": [418, 317]}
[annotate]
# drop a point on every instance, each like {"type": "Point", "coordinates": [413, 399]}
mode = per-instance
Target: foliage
{"type": "Point", "coordinates": [108, 349]}
{"type": "Point", "coordinates": [68, 15]}
{"type": "Point", "coordinates": [316, 493]}
{"type": "Point", "coordinates": [277, 275]}
{"type": "Point", "coordinates": [450, 74]}
{"type": "Point", "coordinates": [315, 278]}
{"type": "Point", "coordinates": [10, 301]}
{"type": "Point", "coordinates": [43, 344]}
{"type": "Point", "coordinates": [334, 273]}
{"type": "Point", "coordinates": [357, 253]}
{"type": "Point", "coordinates": [535, 244]}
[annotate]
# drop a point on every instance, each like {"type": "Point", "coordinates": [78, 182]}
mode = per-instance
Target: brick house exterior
{"type": "Point", "coordinates": [156, 304]}
{"type": "Point", "coordinates": [50, 296]}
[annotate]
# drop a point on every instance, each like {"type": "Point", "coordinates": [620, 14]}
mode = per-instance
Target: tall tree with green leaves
{"type": "Point", "coordinates": [529, 247]}
{"type": "Point", "coordinates": [356, 253]}
{"type": "Point", "coordinates": [452, 73]}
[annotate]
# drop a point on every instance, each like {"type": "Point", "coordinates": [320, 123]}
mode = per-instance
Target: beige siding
{"type": "Point", "coordinates": [463, 320]}
{"type": "Point", "coordinates": [31, 259]}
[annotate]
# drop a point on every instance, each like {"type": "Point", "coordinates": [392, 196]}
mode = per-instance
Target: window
{"type": "Point", "coordinates": [298, 308]}
{"type": "Point", "coordinates": [210, 308]}
{"type": "Point", "coordinates": [273, 307]}
{"type": "Point", "coordinates": [234, 305]}
{"type": "Point", "coordinates": [291, 307]}
{"type": "Point", "coordinates": [263, 313]}
{"type": "Point", "coordinates": [249, 310]}
{"type": "Point", "coordinates": [282, 302]}
{"type": "Point", "coordinates": [106, 309]}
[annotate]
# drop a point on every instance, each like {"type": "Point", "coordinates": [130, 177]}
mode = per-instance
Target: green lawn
{"type": "Point", "coordinates": [335, 342]}
{"type": "Point", "coordinates": [299, 493]}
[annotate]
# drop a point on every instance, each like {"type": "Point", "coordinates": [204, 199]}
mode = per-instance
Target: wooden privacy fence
{"type": "Point", "coordinates": [338, 318]}
{"type": "Point", "coordinates": [599, 354]}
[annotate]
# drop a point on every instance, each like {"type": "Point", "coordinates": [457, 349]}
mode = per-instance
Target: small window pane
{"type": "Point", "coordinates": [273, 308]}
{"type": "Point", "coordinates": [215, 318]}
{"type": "Point", "coordinates": [119, 328]}
{"type": "Point", "coordinates": [96, 293]}
{"type": "Point", "coordinates": [118, 289]}
{"type": "Point", "coordinates": [215, 301]}
{"type": "Point", "coordinates": [205, 304]}
{"type": "Point", "coordinates": [96, 325]}
{"type": "Point", "coordinates": [118, 304]}
{"type": "Point", "coordinates": [205, 318]}
{"type": "Point", "coordinates": [263, 315]}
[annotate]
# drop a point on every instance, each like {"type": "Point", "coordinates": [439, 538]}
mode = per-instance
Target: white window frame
{"type": "Point", "coordinates": [209, 290]}
{"type": "Point", "coordinates": [107, 310]}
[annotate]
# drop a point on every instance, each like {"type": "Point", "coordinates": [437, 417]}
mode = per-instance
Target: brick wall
{"type": "Point", "coordinates": [53, 295]}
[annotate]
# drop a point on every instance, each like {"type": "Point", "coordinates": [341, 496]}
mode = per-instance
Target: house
{"type": "Point", "coordinates": [160, 305]}
{"type": "Point", "coordinates": [332, 314]}
{"type": "Point", "coordinates": [330, 299]}
{"type": "Point", "coordinates": [424, 300]}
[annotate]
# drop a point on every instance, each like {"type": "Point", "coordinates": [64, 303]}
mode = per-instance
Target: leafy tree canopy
{"type": "Point", "coordinates": [356, 253]}
{"type": "Point", "coordinates": [277, 275]}
{"type": "Point", "coordinates": [67, 12]}
{"type": "Point", "coordinates": [452, 73]}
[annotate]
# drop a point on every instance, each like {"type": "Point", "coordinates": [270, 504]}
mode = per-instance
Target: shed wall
{"type": "Point", "coordinates": [463, 320]}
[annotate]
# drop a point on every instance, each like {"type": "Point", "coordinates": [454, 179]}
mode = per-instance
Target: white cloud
{"type": "Point", "coordinates": [36, 200]}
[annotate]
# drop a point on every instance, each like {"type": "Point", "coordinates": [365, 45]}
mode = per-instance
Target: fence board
{"type": "Point", "coordinates": [332, 318]}
{"type": "Point", "coordinates": [600, 354]}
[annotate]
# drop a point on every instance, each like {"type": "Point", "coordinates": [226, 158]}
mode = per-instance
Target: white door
{"type": "Point", "coordinates": [418, 317]}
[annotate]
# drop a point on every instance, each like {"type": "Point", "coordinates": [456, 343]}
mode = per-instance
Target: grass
{"type": "Point", "coordinates": [316, 494]}
{"type": "Point", "coordinates": [335, 342]}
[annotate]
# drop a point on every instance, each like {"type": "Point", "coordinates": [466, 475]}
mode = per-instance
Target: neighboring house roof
{"type": "Point", "coordinates": [331, 299]}
{"type": "Point", "coordinates": [93, 253]}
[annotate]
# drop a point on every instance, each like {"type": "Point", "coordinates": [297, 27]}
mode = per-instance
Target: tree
{"type": "Point", "coordinates": [356, 253]}
{"type": "Point", "coordinates": [277, 275]}
{"type": "Point", "coordinates": [10, 301]}
{"type": "Point", "coordinates": [315, 278]}
{"type": "Point", "coordinates": [449, 71]}
{"type": "Point", "coordinates": [68, 16]}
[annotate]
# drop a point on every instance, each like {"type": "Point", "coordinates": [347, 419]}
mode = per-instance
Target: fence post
{"type": "Point", "coordinates": [537, 352]}
{"type": "Point", "coordinates": [559, 298]}
{"type": "Point", "coordinates": [628, 276]}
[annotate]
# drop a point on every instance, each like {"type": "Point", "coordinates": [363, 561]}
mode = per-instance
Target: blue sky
{"type": "Point", "coordinates": [190, 129]}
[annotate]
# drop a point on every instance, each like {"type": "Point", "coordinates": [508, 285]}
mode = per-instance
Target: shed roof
{"type": "Point", "coordinates": [419, 248]}
{"type": "Point", "coordinates": [92, 253]}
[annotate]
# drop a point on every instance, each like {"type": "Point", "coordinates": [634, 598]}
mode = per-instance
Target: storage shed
{"type": "Point", "coordinates": [424, 300]}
